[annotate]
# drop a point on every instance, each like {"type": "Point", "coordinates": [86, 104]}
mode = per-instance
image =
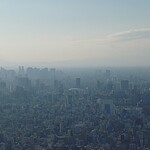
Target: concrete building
{"type": "Point", "coordinates": [78, 82]}
{"type": "Point", "coordinates": [124, 85]}
{"type": "Point", "coordinates": [107, 106]}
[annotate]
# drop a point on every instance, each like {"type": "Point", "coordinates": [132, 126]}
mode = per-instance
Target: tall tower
{"type": "Point", "coordinates": [124, 85]}
{"type": "Point", "coordinates": [78, 82]}
{"type": "Point", "coordinates": [107, 74]}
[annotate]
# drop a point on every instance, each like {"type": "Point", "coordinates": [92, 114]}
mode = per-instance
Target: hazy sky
{"type": "Point", "coordinates": [87, 32]}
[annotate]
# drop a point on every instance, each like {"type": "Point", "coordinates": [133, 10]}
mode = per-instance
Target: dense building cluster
{"type": "Point", "coordinates": [75, 109]}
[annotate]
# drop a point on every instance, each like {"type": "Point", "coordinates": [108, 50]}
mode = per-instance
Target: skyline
{"type": "Point", "coordinates": [75, 33]}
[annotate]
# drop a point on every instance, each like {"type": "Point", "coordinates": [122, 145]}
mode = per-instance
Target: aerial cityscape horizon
{"type": "Point", "coordinates": [74, 75]}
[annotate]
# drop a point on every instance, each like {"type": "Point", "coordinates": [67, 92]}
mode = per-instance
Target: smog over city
{"type": "Point", "coordinates": [74, 75]}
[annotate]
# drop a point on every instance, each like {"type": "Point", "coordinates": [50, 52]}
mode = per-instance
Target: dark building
{"type": "Point", "coordinates": [78, 82]}
{"type": "Point", "coordinates": [23, 82]}
{"type": "Point", "coordinates": [98, 84]}
{"type": "Point", "coordinates": [124, 85]}
{"type": "Point", "coordinates": [107, 74]}
{"type": "Point", "coordinates": [44, 73]}
{"type": "Point", "coordinates": [21, 71]}
{"type": "Point", "coordinates": [33, 73]}
{"type": "Point", "coordinates": [53, 73]}
{"type": "Point", "coordinates": [109, 86]}
{"type": "Point", "coordinates": [2, 85]}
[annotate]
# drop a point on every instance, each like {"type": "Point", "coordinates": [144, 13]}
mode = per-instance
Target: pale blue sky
{"type": "Point", "coordinates": [74, 30]}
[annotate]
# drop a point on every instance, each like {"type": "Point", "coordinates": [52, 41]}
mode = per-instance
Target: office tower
{"type": "Point", "coordinates": [78, 82]}
{"type": "Point", "coordinates": [53, 73]}
{"type": "Point", "coordinates": [98, 84]}
{"type": "Point", "coordinates": [44, 73]}
{"type": "Point", "coordinates": [21, 71]}
{"type": "Point", "coordinates": [23, 82]}
{"type": "Point", "coordinates": [110, 86]}
{"type": "Point", "coordinates": [56, 85]}
{"type": "Point", "coordinates": [106, 106]}
{"type": "Point", "coordinates": [124, 85]}
{"type": "Point", "coordinates": [107, 74]}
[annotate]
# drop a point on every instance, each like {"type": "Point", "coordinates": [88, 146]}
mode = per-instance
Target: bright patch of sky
{"type": "Point", "coordinates": [96, 32]}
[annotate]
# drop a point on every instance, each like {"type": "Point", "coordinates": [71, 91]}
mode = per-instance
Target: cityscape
{"type": "Point", "coordinates": [74, 74]}
{"type": "Point", "coordinates": [75, 109]}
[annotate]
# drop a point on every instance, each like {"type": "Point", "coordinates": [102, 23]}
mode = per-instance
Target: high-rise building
{"type": "Point", "coordinates": [56, 85]}
{"type": "Point", "coordinates": [23, 82]}
{"type": "Point", "coordinates": [124, 85]}
{"type": "Point", "coordinates": [53, 73]}
{"type": "Point", "coordinates": [44, 73]}
{"type": "Point", "coordinates": [21, 71]}
{"type": "Point", "coordinates": [106, 106]}
{"type": "Point", "coordinates": [110, 86]}
{"type": "Point", "coordinates": [107, 74]}
{"type": "Point", "coordinates": [78, 82]}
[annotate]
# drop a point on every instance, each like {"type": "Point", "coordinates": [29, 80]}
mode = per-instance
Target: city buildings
{"type": "Point", "coordinates": [47, 109]}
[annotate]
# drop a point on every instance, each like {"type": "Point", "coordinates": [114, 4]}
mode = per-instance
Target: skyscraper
{"type": "Point", "coordinates": [78, 82]}
{"type": "Point", "coordinates": [124, 85]}
{"type": "Point", "coordinates": [107, 74]}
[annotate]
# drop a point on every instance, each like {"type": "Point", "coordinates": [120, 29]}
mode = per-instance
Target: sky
{"type": "Point", "coordinates": [75, 32]}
